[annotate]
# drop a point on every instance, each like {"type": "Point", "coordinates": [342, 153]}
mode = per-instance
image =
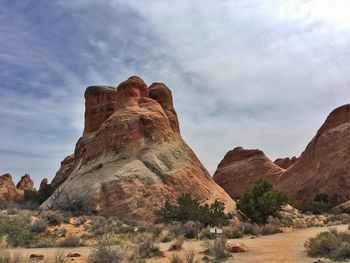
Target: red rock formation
{"type": "Point", "coordinates": [240, 168]}
{"type": "Point", "coordinates": [285, 163]}
{"type": "Point", "coordinates": [26, 183]}
{"type": "Point", "coordinates": [324, 166]}
{"type": "Point", "coordinates": [8, 190]}
{"type": "Point", "coordinates": [129, 161]}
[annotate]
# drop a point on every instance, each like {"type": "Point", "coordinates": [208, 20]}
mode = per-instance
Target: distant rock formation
{"type": "Point", "coordinates": [26, 183]}
{"type": "Point", "coordinates": [240, 168]}
{"type": "Point", "coordinates": [9, 192]}
{"type": "Point", "coordinates": [285, 163]}
{"type": "Point", "coordinates": [131, 157]}
{"type": "Point", "coordinates": [324, 166]}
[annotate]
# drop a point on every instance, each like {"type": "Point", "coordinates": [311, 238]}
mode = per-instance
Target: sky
{"type": "Point", "coordinates": [257, 74]}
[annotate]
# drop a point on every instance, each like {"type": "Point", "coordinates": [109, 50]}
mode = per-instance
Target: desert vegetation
{"type": "Point", "coordinates": [330, 244]}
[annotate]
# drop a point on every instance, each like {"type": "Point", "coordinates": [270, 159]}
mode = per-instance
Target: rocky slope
{"type": "Point", "coordinates": [9, 192]}
{"type": "Point", "coordinates": [131, 157]}
{"type": "Point", "coordinates": [240, 168]}
{"type": "Point", "coordinates": [324, 166]}
{"type": "Point", "coordinates": [285, 163]}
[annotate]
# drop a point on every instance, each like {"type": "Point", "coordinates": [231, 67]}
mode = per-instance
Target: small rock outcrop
{"type": "Point", "coordinates": [26, 183]}
{"type": "Point", "coordinates": [240, 168]}
{"type": "Point", "coordinates": [285, 163]}
{"type": "Point", "coordinates": [131, 157]}
{"type": "Point", "coordinates": [8, 190]}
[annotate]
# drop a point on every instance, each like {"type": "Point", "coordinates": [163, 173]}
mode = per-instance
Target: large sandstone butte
{"type": "Point", "coordinates": [240, 168]}
{"type": "Point", "coordinates": [9, 192]}
{"type": "Point", "coordinates": [324, 166]}
{"type": "Point", "coordinates": [131, 157]}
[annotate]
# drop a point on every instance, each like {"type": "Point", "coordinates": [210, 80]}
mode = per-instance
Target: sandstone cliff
{"type": "Point", "coordinates": [131, 157]}
{"type": "Point", "coordinates": [9, 192]}
{"type": "Point", "coordinates": [324, 166]}
{"type": "Point", "coordinates": [240, 168]}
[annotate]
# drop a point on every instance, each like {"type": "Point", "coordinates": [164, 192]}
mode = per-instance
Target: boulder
{"type": "Point", "coordinates": [235, 247]}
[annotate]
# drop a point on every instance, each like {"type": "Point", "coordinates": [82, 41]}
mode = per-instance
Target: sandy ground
{"type": "Point", "coordinates": [281, 248]}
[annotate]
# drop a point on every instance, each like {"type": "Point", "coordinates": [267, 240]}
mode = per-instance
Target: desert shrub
{"type": "Point", "coordinates": [10, 257]}
{"type": "Point", "coordinates": [205, 234]}
{"type": "Point", "coordinates": [320, 205]}
{"type": "Point", "coordinates": [70, 241]}
{"type": "Point", "coordinates": [248, 228]}
{"type": "Point", "coordinates": [105, 252]}
{"type": "Point", "coordinates": [189, 257]}
{"type": "Point", "coordinates": [76, 203]}
{"type": "Point", "coordinates": [268, 229]}
{"type": "Point", "coordinates": [59, 256]}
{"type": "Point", "coordinates": [187, 209]}
{"type": "Point", "coordinates": [3, 242]}
{"type": "Point", "coordinates": [43, 241]}
{"type": "Point", "coordinates": [39, 226]}
{"type": "Point", "coordinates": [166, 236]}
{"type": "Point", "coordinates": [177, 244]}
{"type": "Point", "coordinates": [338, 219]}
{"type": "Point", "coordinates": [52, 217]}
{"type": "Point", "coordinates": [145, 246]}
{"type": "Point", "coordinates": [261, 201]}
{"type": "Point", "coordinates": [39, 197]}
{"type": "Point", "coordinates": [330, 244]}
{"type": "Point", "coordinates": [216, 248]}
{"type": "Point", "coordinates": [17, 231]}
{"type": "Point", "coordinates": [235, 231]}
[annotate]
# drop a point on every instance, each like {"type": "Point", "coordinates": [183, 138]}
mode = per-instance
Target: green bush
{"type": "Point", "coordinates": [331, 244]}
{"type": "Point", "coordinates": [188, 209]}
{"type": "Point", "coordinates": [319, 205]}
{"type": "Point", "coordinates": [39, 197]}
{"type": "Point", "coordinates": [39, 226]}
{"type": "Point", "coordinates": [53, 217]}
{"type": "Point", "coordinates": [261, 201]}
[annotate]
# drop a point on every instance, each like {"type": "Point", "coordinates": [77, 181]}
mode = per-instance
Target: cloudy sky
{"type": "Point", "coordinates": [258, 74]}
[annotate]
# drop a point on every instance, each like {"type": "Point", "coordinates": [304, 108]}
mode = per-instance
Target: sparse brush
{"type": "Point", "coordinates": [177, 244]}
{"type": "Point", "coordinates": [233, 231]}
{"type": "Point", "coordinates": [8, 257]}
{"type": "Point", "coordinates": [145, 246]}
{"type": "Point", "coordinates": [59, 257]}
{"type": "Point", "coordinates": [70, 241]}
{"type": "Point", "coordinates": [330, 244]}
{"type": "Point", "coordinates": [105, 252]}
{"type": "Point", "coordinates": [216, 248]}
{"type": "Point", "coordinates": [39, 226]}
{"type": "Point", "coordinates": [189, 257]}
{"type": "Point", "coordinates": [268, 229]}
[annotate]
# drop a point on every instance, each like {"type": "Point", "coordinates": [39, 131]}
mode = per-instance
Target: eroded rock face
{"type": "Point", "coordinates": [134, 158]}
{"type": "Point", "coordinates": [285, 163]}
{"type": "Point", "coordinates": [240, 168]}
{"type": "Point", "coordinates": [8, 190]}
{"type": "Point", "coordinates": [26, 183]}
{"type": "Point", "coordinates": [324, 166]}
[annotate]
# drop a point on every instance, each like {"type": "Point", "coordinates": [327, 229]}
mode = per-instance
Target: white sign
{"type": "Point", "coordinates": [212, 230]}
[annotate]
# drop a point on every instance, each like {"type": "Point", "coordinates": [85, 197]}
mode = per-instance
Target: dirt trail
{"type": "Point", "coordinates": [278, 248]}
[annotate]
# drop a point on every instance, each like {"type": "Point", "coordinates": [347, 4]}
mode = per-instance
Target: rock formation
{"type": "Point", "coordinates": [324, 166]}
{"type": "Point", "coordinates": [26, 183]}
{"type": "Point", "coordinates": [131, 157]}
{"type": "Point", "coordinates": [9, 192]}
{"type": "Point", "coordinates": [285, 163]}
{"type": "Point", "coordinates": [240, 168]}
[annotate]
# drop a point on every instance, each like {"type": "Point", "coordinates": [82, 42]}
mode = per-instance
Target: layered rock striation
{"type": "Point", "coordinates": [131, 157]}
